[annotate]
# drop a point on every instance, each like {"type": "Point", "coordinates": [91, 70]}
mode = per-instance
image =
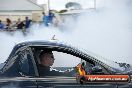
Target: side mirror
{"type": "Point", "coordinates": [97, 70]}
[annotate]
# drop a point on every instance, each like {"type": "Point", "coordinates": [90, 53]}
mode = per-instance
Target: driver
{"type": "Point", "coordinates": [46, 61]}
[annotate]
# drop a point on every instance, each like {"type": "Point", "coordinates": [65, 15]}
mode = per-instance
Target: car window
{"type": "Point", "coordinates": [65, 60]}
{"type": "Point", "coordinates": [25, 63]}
{"type": "Point", "coordinates": [61, 64]}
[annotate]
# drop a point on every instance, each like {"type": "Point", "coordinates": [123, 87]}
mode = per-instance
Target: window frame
{"type": "Point", "coordinates": [67, 50]}
{"type": "Point", "coordinates": [32, 61]}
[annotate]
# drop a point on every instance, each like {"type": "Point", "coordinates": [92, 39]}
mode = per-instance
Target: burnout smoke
{"type": "Point", "coordinates": [9, 40]}
{"type": "Point", "coordinates": [107, 30]}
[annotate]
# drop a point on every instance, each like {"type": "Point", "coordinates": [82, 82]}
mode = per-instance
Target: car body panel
{"type": "Point", "coordinates": [17, 82]}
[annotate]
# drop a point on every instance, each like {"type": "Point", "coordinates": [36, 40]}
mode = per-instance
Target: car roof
{"type": "Point", "coordinates": [50, 43]}
{"type": "Point", "coordinates": [42, 43]}
{"type": "Point", "coordinates": [59, 44]}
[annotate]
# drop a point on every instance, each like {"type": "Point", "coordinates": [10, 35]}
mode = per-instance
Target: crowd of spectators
{"type": "Point", "coordinates": [48, 19]}
{"type": "Point", "coordinates": [10, 26]}
{"type": "Point", "coordinates": [25, 24]}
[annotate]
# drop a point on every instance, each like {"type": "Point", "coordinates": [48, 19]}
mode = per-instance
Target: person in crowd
{"type": "Point", "coordinates": [27, 22]}
{"type": "Point", "coordinates": [45, 19]}
{"type": "Point", "coordinates": [20, 24]}
{"type": "Point", "coordinates": [2, 26]}
{"type": "Point", "coordinates": [8, 23]}
{"type": "Point", "coordinates": [51, 16]}
{"type": "Point", "coordinates": [46, 61]}
{"type": "Point", "coordinates": [48, 18]}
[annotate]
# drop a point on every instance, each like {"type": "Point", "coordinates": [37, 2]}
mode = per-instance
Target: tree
{"type": "Point", "coordinates": [73, 5]}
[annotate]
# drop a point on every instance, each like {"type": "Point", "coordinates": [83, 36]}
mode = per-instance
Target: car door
{"type": "Point", "coordinates": [66, 62]}
{"type": "Point", "coordinates": [20, 72]}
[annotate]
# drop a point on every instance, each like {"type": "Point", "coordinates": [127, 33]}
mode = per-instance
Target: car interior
{"type": "Point", "coordinates": [62, 66]}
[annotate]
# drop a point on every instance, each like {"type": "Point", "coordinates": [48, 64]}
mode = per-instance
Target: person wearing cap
{"type": "Point", "coordinates": [46, 61]}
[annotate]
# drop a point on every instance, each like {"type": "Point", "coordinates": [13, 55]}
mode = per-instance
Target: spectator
{"type": "Point", "coordinates": [20, 24]}
{"type": "Point", "coordinates": [48, 18]}
{"type": "Point", "coordinates": [8, 23]}
{"type": "Point", "coordinates": [51, 16]}
{"type": "Point", "coordinates": [45, 19]}
{"type": "Point", "coordinates": [27, 22]}
{"type": "Point", "coordinates": [1, 25]}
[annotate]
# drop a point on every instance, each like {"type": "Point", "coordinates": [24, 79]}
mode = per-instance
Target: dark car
{"type": "Point", "coordinates": [20, 70]}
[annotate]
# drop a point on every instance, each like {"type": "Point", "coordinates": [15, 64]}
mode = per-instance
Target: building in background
{"type": "Point", "coordinates": [15, 9]}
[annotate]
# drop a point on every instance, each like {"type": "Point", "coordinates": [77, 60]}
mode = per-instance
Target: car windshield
{"type": "Point", "coordinates": [114, 65]}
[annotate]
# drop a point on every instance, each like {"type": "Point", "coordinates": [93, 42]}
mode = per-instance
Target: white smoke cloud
{"type": "Point", "coordinates": [9, 40]}
{"type": "Point", "coordinates": [107, 31]}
